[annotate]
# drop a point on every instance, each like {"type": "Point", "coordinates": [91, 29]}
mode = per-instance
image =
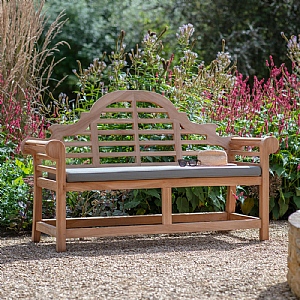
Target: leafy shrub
{"type": "Point", "coordinates": [96, 203]}
{"type": "Point", "coordinates": [15, 193]}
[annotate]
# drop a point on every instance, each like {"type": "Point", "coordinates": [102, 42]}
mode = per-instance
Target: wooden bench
{"type": "Point", "coordinates": [146, 135]}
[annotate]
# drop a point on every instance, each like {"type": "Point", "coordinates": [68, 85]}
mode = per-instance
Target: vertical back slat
{"type": "Point", "coordinates": [177, 138]}
{"type": "Point", "coordinates": [136, 133]}
{"type": "Point", "coordinates": [95, 144]}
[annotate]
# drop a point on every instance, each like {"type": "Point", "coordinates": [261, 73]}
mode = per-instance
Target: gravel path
{"type": "Point", "coordinates": [233, 265]}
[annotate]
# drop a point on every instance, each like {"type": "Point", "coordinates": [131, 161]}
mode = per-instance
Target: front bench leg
{"type": "Point", "coordinates": [166, 203]}
{"type": "Point", "coordinates": [264, 210]}
{"type": "Point", "coordinates": [61, 222]}
{"type": "Point", "coordinates": [56, 150]}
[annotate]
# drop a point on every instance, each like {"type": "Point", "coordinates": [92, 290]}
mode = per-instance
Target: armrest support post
{"type": "Point", "coordinates": [56, 149]}
{"type": "Point", "coordinates": [267, 146]}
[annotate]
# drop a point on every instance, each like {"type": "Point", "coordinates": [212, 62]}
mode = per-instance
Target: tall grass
{"type": "Point", "coordinates": [27, 59]}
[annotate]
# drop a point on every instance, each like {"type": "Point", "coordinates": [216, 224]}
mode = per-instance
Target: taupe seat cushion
{"type": "Point", "coordinates": [158, 172]}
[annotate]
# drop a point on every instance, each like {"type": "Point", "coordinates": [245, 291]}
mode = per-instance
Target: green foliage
{"type": "Point", "coordinates": [15, 194]}
{"type": "Point", "coordinates": [286, 166]}
{"type": "Point", "coordinates": [92, 27]}
{"type": "Point", "coordinates": [198, 199]}
{"type": "Point", "coordinates": [184, 200]}
{"type": "Point", "coordinates": [96, 203]}
{"type": "Point", "coordinates": [182, 77]}
{"type": "Point", "coordinates": [141, 202]}
{"type": "Point", "coordinates": [251, 29]}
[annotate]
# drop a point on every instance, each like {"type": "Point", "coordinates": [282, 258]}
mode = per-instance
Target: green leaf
{"type": "Point", "coordinates": [283, 203]}
{"type": "Point", "coordinates": [247, 205]}
{"type": "Point", "coordinates": [287, 195]}
{"type": "Point", "coordinates": [200, 193]}
{"type": "Point", "coordinates": [279, 170]}
{"type": "Point", "coordinates": [275, 212]}
{"type": "Point", "coordinates": [182, 205]}
{"type": "Point", "coordinates": [18, 181]}
{"type": "Point", "coordinates": [132, 204]}
{"type": "Point", "coordinates": [283, 207]}
{"type": "Point", "coordinates": [181, 190]}
{"type": "Point", "coordinates": [297, 191]}
{"type": "Point", "coordinates": [286, 156]}
{"type": "Point", "coordinates": [157, 202]}
{"type": "Point", "coordinates": [195, 202]}
{"type": "Point", "coordinates": [189, 194]}
{"type": "Point", "coordinates": [141, 211]}
{"type": "Point", "coordinates": [23, 167]}
{"type": "Point", "coordinates": [296, 200]}
{"type": "Point", "coordinates": [153, 193]}
{"type": "Point", "coordinates": [214, 195]}
{"type": "Point", "coordinates": [272, 203]}
{"type": "Point", "coordinates": [19, 163]}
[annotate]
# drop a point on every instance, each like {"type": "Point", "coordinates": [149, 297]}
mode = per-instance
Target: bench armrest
{"type": "Point", "coordinates": [270, 143]}
{"type": "Point", "coordinates": [255, 147]}
{"type": "Point", "coordinates": [46, 150]}
{"type": "Point", "coordinates": [53, 149]}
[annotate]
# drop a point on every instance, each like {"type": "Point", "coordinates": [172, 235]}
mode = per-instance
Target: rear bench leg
{"type": "Point", "coordinates": [230, 201]}
{"type": "Point", "coordinates": [166, 203]}
{"type": "Point", "coordinates": [37, 213]}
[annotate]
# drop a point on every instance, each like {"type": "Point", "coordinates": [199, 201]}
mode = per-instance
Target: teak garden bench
{"type": "Point", "coordinates": [145, 134]}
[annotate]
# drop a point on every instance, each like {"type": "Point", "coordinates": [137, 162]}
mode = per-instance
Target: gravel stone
{"type": "Point", "coordinates": [210, 265]}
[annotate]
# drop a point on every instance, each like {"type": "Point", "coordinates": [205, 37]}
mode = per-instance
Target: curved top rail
{"type": "Point", "coordinates": [134, 96]}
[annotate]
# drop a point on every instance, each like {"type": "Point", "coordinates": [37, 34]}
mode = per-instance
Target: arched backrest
{"type": "Point", "coordinates": [136, 128]}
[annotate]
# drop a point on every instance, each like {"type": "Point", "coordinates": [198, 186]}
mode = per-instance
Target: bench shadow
{"type": "Point", "coordinates": [111, 246]}
{"type": "Point", "coordinates": [281, 289]}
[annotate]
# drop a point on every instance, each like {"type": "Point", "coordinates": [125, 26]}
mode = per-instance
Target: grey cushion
{"type": "Point", "coordinates": [158, 172]}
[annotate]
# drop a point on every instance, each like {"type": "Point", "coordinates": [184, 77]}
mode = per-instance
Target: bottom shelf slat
{"type": "Point", "coordinates": [162, 229]}
{"type": "Point", "coordinates": [133, 225]}
{"type": "Point", "coordinates": [46, 228]}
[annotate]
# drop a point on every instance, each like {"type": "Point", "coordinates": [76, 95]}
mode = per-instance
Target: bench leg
{"type": "Point", "coordinates": [61, 222]}
{"type": "Point", "coordinates": [230, 200]}
{"type": "Point", "coordinates": [37, 213]}
{"type": "Point", "coordinates": [166, 203]}
{"type": "Point", "coordinates": [264, 211]}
